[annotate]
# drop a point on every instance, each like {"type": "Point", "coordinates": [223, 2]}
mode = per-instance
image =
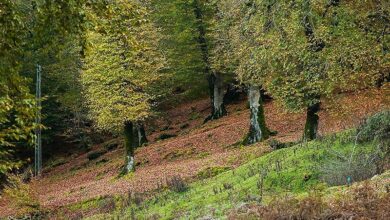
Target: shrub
{"type": "Point", "coordinates": [340, 169]}
{"type": "Point", "coordinates": [211, 172]}
{"type": "Point", "coordinates": [56, 163]}
{"type": "Point", "coordinates": [195, 115]}
{"type": "Point", "coordinates": [95, 155]}
{"type": "Point", "coordinates": [376, 127]}
{"type": "Point", "coordinates": [107, 205]}
{"type": "Point", "coordinates": [177, 184]}
{"type": "Point", "coordinates": [166, 136]}
{"type": "Point", "coordinates": [360, 164]}
{"type": "Point", "coordinates": [184, 126]}
{"type": "Point", "coordinates": [362, 202]}
{"type": "Point", "coordinates": [275, 144]}
{"type": "Point", "coordinates": [20, 196]}
{"type": "Point", "coordinates": [111, 146]}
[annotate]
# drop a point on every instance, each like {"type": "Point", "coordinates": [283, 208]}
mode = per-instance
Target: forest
{"type": "Point", "coordinates": [194, 109]}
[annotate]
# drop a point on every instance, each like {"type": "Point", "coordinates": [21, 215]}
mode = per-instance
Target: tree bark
{"type": "Point", "coordinates": [141, 134]}
{"type": "Point", "coordinates": [258, 130]}
{"type": "Point", "coordinates": [129, 139]}
{"type": "Point", "coordinates": [312, 120]}
{"type": "Point", "coordinates": [217, 93]}
{"type": "Point", "coordinates": [219, 109]}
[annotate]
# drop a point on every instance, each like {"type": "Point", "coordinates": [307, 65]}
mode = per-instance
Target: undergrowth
{"type": "Point", "coordinates": [295, 169]}
{"type": "Point", "coordinates": [304, 172]}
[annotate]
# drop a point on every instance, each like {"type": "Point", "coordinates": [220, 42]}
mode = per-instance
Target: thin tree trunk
{"type": "Point", "coordinates": [141, 135]}
{"type": "Point", "coordinates": [217, 93]}
{"type": "Point", "coordinates": [129, 138]}
{"type": "Point", "coordinates": [258, 130]}
{"type": "Point", "coordinates": [312, 119]}
{"type": "Point", "coordinates": [219, 109]}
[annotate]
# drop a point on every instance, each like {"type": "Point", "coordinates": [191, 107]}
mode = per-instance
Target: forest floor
{"type": "Point", "coordinates": [195, 147]}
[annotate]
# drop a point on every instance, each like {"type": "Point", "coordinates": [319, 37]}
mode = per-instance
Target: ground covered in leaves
{"type": "Point", "coordinates": [181, 145]}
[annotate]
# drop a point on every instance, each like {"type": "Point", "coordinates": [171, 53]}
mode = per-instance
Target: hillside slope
{"type": "Point", "coordinates": [197, 147]}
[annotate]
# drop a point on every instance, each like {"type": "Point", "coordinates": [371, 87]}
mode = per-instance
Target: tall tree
{"type": "Point", "coordinates": [121, 64]}
{"type": "Point", "coordinates": [239, 40]}
{"type": "Point", "coordinates": [319, 48]}
{"type": "Point", "coordinates": [176, 20]}
{"type": "Point", "coordinates": [214, 78]}
{"type": "Point", "coordinates": [188, 38]}
{"type": "Point", "coordinates": [17, 105]}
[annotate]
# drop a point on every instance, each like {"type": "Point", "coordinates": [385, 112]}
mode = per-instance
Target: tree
{"type": "Point", "coordinates": [302, 51]}
{"type": "Point", "coordinates": [17, 105]}
{"type": "Point", "coordinates": [188, 40]}
{"type": "Point", "coordinates": [121, 64]}
{"type": "Point", "coordinates": [320, 48]}
{"type": "Point", "coordinates": [239, 40]}
{"type": "Point", "coordinates": [179, 43]}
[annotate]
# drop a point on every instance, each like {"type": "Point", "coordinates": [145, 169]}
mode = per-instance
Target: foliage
{"type": "Point", "coordinates": [17, 106]}
{"type": "Point", "coordinates": [95, 155]}
{"type": "Point", "coordinates": [342, 169]}
{"type": "Point", "coordinates": [177, 184]}
{"type": "Point", "coordinates": [376, 127]}
{"type": "Point", "coordinates": [179, 43]}
{"type": "Point", "coordinates": [122, 61]}
{"type": "Point", "coordinates": [164, 136]}
{"type": "Point", "coordinates": [320, 49]}
{"type": "Point", "coordinates": [21, 197]}
{"type": "Point", "coordinates": [313, 49]}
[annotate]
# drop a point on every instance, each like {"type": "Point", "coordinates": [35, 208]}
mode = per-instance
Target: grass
{"type": "Point", "coordinates": [295, 170]}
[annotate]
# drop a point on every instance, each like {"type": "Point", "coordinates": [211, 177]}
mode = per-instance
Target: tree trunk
{"type": "Point", "coordinates": [258, 130]}
{"type": "Point", "coordinates": [141, 135]}
{"type": "Point", "coordinates": [217, 93]}
{"type": "Point", "coordinates": [219, 109]}
{"type": "Point", "coordinates": [129, 138]}
{"type": "Point", "coordinates": [312, 118]}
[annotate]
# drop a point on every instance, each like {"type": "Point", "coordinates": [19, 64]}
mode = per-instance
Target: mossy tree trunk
{"type": "Point", "coordinates": [312, 120]}
{"type": "Point", "coordinates": [129, 139]}
{"type": "Point", "coordinates": [258, 130]}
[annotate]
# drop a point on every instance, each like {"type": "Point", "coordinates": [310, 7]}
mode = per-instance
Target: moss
{"type": "Point", "coordinates": [211, 172]}
{"type": "Point", "coordinates": [86, 205]}
{"type": "Point", "coordinates": [102, 203]}
{"type": "Point", "coordinates": [129, 139]}
{"type": "Point", "coordinates": [182, 153]}
{"type": "Point", "coordinates": [261, 120]}
{"type": "Point", "coordinates": [203, 155]}
{"type": "Point", "coordinates": [251, 137]}
{"type": "Point", "coordinates": [195, 115]}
